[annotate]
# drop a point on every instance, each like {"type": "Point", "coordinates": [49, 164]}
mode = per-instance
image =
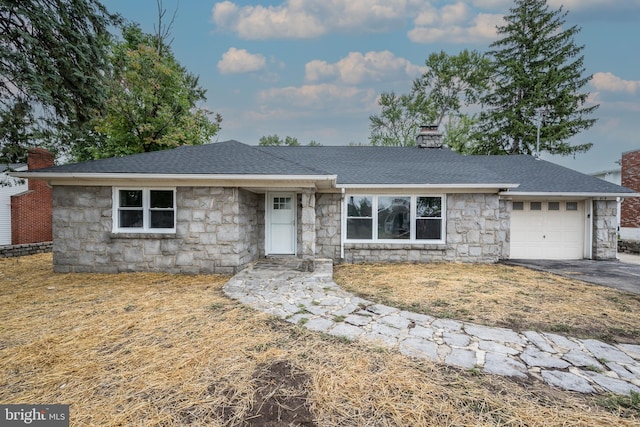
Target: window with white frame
{"type": "Point", "coordinates": [390, 218]}
{"type": "Point", "coordinates": [144, 210]}
{"type": "Point", "coordinates": [359, 218]}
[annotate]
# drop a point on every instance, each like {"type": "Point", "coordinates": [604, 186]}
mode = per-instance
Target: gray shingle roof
{"type": "Point", "coordinates": [535, 176]}
{"type": "Point", "coordinates": [353, 165]}
{"type": "Point", "coordinates": [230, 157]}
{"type": "Point", "coordinates": [390, 165]}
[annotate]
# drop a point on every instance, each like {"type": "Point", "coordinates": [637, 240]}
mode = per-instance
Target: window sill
{"type": "Point", "coordinates": [396, 245]}
{"type": "Point", "coordinates": [138, 235]}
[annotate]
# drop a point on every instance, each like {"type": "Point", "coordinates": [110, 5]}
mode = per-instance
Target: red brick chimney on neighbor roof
{"type": "Point", "coordinates": [31, 215]}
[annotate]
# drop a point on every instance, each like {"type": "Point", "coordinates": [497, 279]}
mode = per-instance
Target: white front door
{"type": "Point", "coordinates": [281, 224]}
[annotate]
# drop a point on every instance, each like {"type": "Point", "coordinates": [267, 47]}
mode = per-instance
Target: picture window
{"type": "Point", "coordinates": [390, 218]}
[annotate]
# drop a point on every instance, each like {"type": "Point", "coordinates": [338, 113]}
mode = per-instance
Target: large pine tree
{"type": "Point", "coordinates": [539, 75]}
{"type": "Point", "coordinates": [52, 66]}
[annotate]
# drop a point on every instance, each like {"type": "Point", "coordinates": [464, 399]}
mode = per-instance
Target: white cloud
{"type": "Point", "coordinates": [456, 28]}
{"type": "Point", "coordinates": [318, 97]}
{"type": "Point", "coordinates": [312, 18]}
{"type": "Point", "coordinates": [585, 4]}
{"type": "Point", "coordinates": [240, 61]}
{"type": "Point", "coordinates": [612, 83]}
{"type": "Point", "coordinates": [570, 5]}
{"type": "Point", "coordinates": [358, 68]}
{"type": "Point", "coordinates": [466, 20]}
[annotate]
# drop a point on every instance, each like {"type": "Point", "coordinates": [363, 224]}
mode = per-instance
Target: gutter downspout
{"type": "Point", "coordinates": [589, 212]}
{"type": "Point", "coordinates": [343, 225]}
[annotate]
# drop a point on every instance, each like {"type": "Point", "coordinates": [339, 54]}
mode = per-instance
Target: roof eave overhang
{"type": "Point", "coordinates": [530, 194]}
{"type": "Point", "coordinates": [238, 180]}
{"type": "Point", "coordinates": [474, 186]}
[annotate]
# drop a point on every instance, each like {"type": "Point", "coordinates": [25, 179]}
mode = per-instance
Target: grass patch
{"type": "Point", "coordinates": [499, 295]}
{"type": "Point", "coordinates": [627, 404]}
{"type": "Point", "coordinates": [187, 355]}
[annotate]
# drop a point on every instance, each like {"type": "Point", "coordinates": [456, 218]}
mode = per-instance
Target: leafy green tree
{"type": "Point", "coordinates": [442, 96]}
{"type": "Point", "coordinates": [398, 122]}
{"type": "Point", "coordinates": [289, 141]}
{"type": "Point", "coordinates": [152, 101]}
{"type": "Point", "coordinates": [538, 75]}
{"type": "Point", "coordinates": [53, 57]}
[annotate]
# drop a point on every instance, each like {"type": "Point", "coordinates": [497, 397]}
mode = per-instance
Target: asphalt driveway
{"type": "Point", "coordinates": [624, 276]}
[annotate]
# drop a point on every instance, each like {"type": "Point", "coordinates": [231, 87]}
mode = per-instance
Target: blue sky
{"type": "Point", "coordinates": [313, 69]}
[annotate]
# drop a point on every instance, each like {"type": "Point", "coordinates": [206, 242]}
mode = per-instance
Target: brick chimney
{"type": "Point", "coordinates": [31, 211]}
{"type": "Point", "coordinates": [428, 137]}
{"type": "Point", "coordinates": [38, 158]}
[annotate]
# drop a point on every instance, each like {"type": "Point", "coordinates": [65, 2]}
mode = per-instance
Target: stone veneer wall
{"type": "Point", "coordinates": [328, 211]}
{"type": "Point", "coordinates": [477, 229]}
{"type": "Point", "coordinates": [504, 234]}
{"type": "Point", "coordinates": [248, 226]}
{"type": "Point", "coordinates": [605, 236]}
{"type": "Point", "coordinates": [217, 232]}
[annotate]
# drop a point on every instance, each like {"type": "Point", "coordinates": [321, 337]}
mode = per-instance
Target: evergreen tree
{"type": "Point", "coordinates": [16, 132]}
{"type": "Point", "coordinates": [52, 62]}
{"type": "Point", "coordinates": [539, 75]}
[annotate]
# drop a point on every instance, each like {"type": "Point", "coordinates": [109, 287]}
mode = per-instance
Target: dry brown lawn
{"type": "Point", "coordinates": [162, 350]}
{"type": "Point", "coordinates": [500, 295]}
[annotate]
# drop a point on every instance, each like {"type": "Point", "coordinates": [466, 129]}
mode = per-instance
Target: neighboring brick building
{"type": "Point", "coordinates": [630, 216]}
{"type": "Point", "coordinates": [31, 211]}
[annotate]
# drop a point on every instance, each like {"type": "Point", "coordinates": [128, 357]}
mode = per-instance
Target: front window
{"type": "Point", "coordinates": [144, 210]}
{"type": "Point", "coordinates": [359, 218]}
{"type": "Point", "coordinates": [429, 218]}
{"type": "Point", "coordinates": [395, 218]}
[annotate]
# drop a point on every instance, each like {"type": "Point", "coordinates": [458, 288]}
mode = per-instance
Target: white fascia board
{"type": "Point", "coordinates": [520, 195]}
{"type": "Point", "coordinates": [71, 178]}
{"type": "Point", "coordinates": [428, 186]}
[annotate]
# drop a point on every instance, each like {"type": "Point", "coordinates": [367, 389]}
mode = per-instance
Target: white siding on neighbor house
{"type": "Point", "coordinates": [5, 205]}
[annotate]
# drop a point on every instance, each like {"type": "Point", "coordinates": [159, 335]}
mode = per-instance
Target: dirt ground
{"type": "Point", "coordinates": [165, 350]}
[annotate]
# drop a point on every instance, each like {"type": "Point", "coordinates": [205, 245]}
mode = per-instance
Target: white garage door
{"type": "Point", "coordinates": [547, 230]}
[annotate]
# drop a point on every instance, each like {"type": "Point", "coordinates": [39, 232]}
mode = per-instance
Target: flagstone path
{"type": "Point", "coordinates": [314, 300]}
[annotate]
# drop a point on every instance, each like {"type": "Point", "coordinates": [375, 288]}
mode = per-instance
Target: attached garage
{"type": "Point", "coordinates": [548, 229]}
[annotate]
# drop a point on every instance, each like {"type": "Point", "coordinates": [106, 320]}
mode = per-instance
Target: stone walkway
{"type": "Point", "coordinates": [315, 301]}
